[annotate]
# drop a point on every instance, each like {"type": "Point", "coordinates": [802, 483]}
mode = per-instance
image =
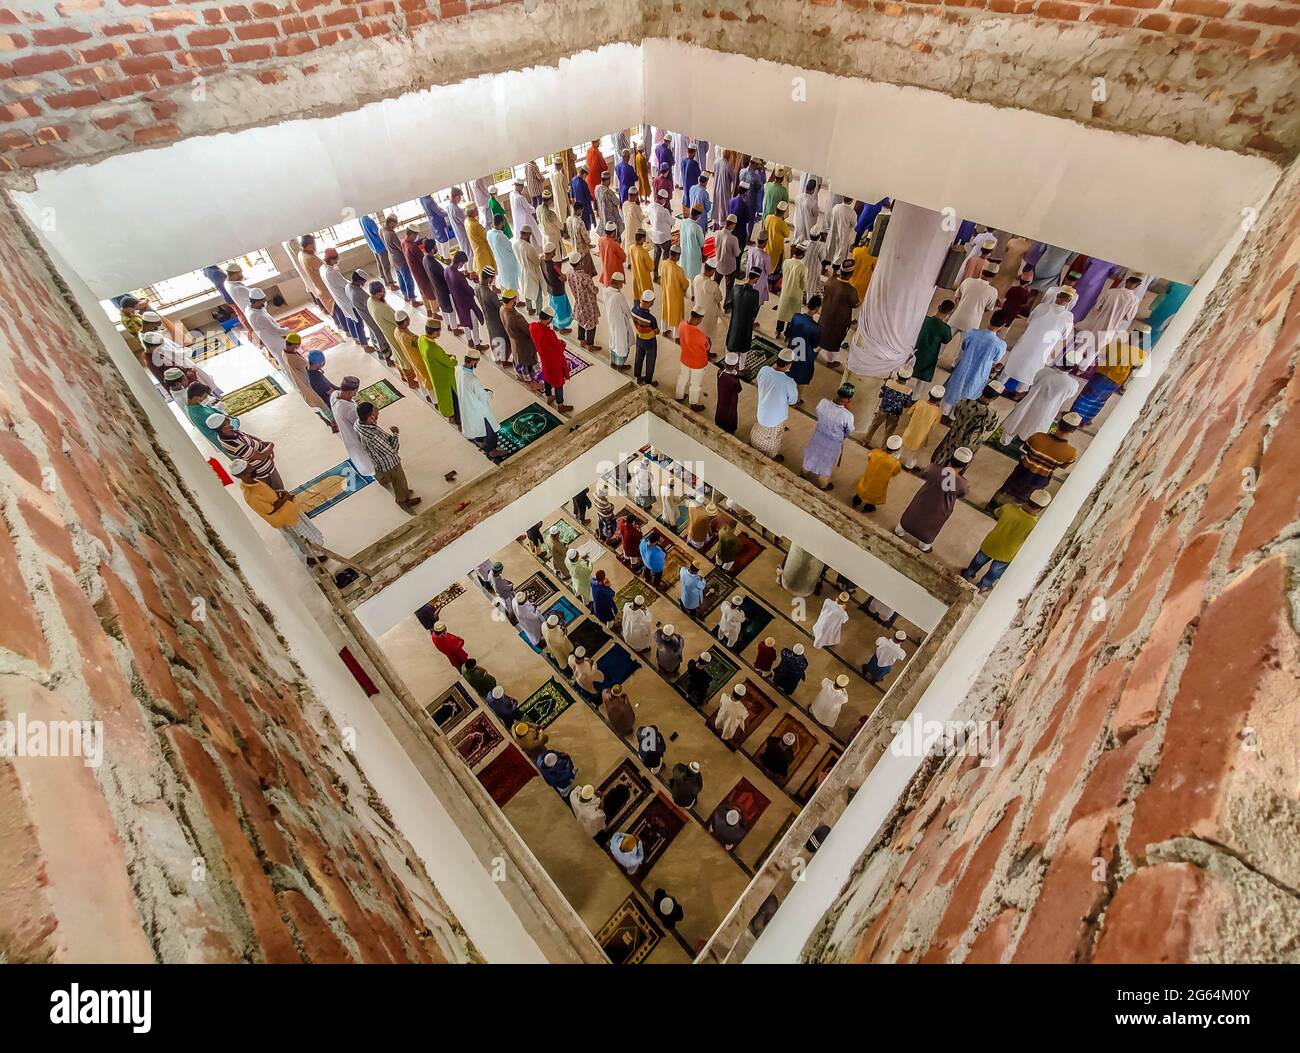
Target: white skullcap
{"type": "Point", "coordinates": [706, 656]}
{"type": "Point", "coordinates": [618, 276]}
{"type": "Point", "coordinates": [610, 226]}
{"type": "Point", "coordinates": [547, 311]}
{"type": "Point", "coordinates": [842, 680]}
{"type": "Point", "coordinates": [440, 627]}
{"type": "Point", "coordinates": [648, 296]}
{"type": "Point", "coordinates": [936, 392]}
{"type": "Point", "coordinates": [638, 601]}
{"type": "Point", "coordinates": [695, 765]}
{"type": "Point", "coordinates": [663, 193]}
{"type": "Point", "coordinates": [579, 652]}
{"type": "Point", "coordinates": [731, 359]}
{"type": "Point", "coordinates": [172, 373]}
{"type": "Point", "coordinates": [732, 817]}
{"type": "Point", "coordinates": [962, 454]}
{"type": "Point", "coordinates": [900, 635]}
{"type": "Point", "coordinates": [256, 294]}
{"type": "Point", "coordinates": [738, 690]}
{"type": "Point", "coordinates": [497, 692]}
{"type": "Point", "coordinates": [401, 315]}
{"type": "Point", "coordinates": [553, 620]}
{"type": "Point", "coordinates": [789, 738]}
{"type": "Point", "coordinates": [555, 529]}
{"type": "Point", "coordinates": [238, 466]}
{"type": "Point", "coordinates": [1141, 327]}
{"type": "Point", "coordinates": [782, 206]}
{"type": "Point", "coordinates": [894, 442]}
{"type": "Point", "coordinates": [233, 268]}
{"type": "Point", "coordinates": [670, 629]}
{"type": "Point", "coordinates": [587, 792]}
{"type": "Point", "coordinates": [151, 338]}
{"type": "Point", "coordinates": [737, 600]}
{"type": "Point", "coordinates": [572, 553]}
{"type": "Point", "coordinates": [214, 420]}
{"type": "Point", "coordinates": [575, 257]}
{"type": "Point", "coordinates": [1041, 498]}
{"type": "Point", "coordinates": [732, 218]}
{"type": "Point", "coordinates": [843, 597]}
{"type": "Point", "coordinates": [798, 648]}
{"type": "Point", "coordinates": [905, 373]}
{"type": "Point", "coordinates": [1072, 419]}
{"type": "Point", "coordinates": [151, 316]}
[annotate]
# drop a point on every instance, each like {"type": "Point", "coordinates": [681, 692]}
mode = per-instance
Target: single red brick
{"type": "Point", "coordinates": [1271, 16]}
{"type": "Point", "coordinates": [1276, 504]}
{"type": "Point", "coordinates": [1160, 916]}
{"type": "Point", "coordinates": [1236, 34]}
{"type": "Point", "coordinates": [43, 62]}
{"type": "Point", "coordinates": [257, 31]}
{"type": "Point", "coordinates": [314, 933]}
{"type": "Point", "coordinates": [20, 628]}
{"type": "Point", "coordinates": [140, 64]}
{"type": "Point", "coordinates": [250, 53]}
{"type": "Point", "coordinates": [59, 35]}
{"type": "Point", "coordinates": [1207, 8]}
{"type": "Point", "coordinates": [202, 38]}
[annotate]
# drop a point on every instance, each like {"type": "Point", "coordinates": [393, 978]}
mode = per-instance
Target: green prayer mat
{"type": "Point", "coordinates": [381, 393]}
{"type": "Point", "coordinates": [545, 704]}
{"type": "Point", "coordinates": [762, 352]}
{"type": "Point", "coordinates": [722, 670]}
{"type": "Point", "coordinates": [526, 427]}
{"type": "Point", "coordinates": [635, 587]}
{"type": "Point", "coordinates": [250, 396]}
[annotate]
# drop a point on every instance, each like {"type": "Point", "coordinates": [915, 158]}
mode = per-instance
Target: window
{"type": "Point", "coordinates": [173, 293]}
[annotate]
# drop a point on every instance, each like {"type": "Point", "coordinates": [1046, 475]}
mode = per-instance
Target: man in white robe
{"type": "Point", "coordinates": [813, 259]}
{"type": "Point", "coordinates": [343, 409]}
{"type": "Point", "coordinates": [618, 321]}
{"type": "Point", "coordinates": [830, 700]}
{"type": "Point", "coordinates": [522, 212]}
{"type": "Point", "coordinates": [830, 622]}
{"type": "Point", "coordinates": [806, 213]}
{"type": "Point", "coordinates": [732, 714]}
{"type": "Point", "coordinates": [975, 297]}
{"type": "Point", "coordinates": [1051, 325]}
{"type": "Point", "coordinates": [559, 192]}
{"type": "Point", "coordinates": [1111, 315]}
{"type": "Point", "coordinates": [731, 618]}
{"type": "Point", "coordinates": [269, 332]}
{"type": "Point", "coordinates": [706, 297]}
{"type": "Point", "coordinates": [477, 421]}
{"type": "Point", "coordinates": [840, 232]}
{"type": "Point", "coordinates": [637, 626]}
{"type": "Point", "coordinates": [633, 220]}
{"type": "Point", "coordinates": [530, 268]}
{"type": "Point", "coordinates": [1053, 391]}
{"type": "Point", "coordinates": [588, 810]}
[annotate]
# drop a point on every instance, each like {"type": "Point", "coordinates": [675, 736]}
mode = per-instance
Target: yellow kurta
{"type": "Point", "coordinates": [864, 265]}
{"type": "Point", "coordinates": [673, 285]}
{"type": "Point", "coordinates": [478, 241]}
{"type": "Point", "coordinates": [873, 487]}
{"type": "Point", "coordinates": [643, 271]}
{"type": "Point", "coordinates": [777, 231]}
{"type": "Point", "coordinates": [408, 350]}
{"type": "Point", "coordinates": [921, 419]}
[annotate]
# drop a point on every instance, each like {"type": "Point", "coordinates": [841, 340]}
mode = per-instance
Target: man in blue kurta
{"type": "Point", "coordinates": [699, 195]}
{"type": "Point", "coordinates": [439, 224]}
{"type": "Point", "coordinates": [626, 173]}
{"type": "Point", "coordinates": [690, 170]}
{"type": "Point", "coordinates": [981, 350]}
{"type": "Point", "coordinates": [691, 240]}
{"type": "Point", "coordinates": [738, 206]}
{"type": "Point", "coordinates": [581, 194]}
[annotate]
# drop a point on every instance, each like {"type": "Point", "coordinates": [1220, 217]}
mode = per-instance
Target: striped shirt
{"type": "Point", "coordinates": [381, 445]}
{"type": "Point", "coordinates": [1042, 454]}
{"type": "Point", "coordinates": [241, 445]}
{"type": "Point", "coordinates": [644, 323]}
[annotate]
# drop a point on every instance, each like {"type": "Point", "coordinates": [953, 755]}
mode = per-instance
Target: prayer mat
{"type": "Point", "coordinates": [321, 340]}
{"type": "Point", "coordinates": [526, 427]}
{"type": "Point", "coordinates": [300, 320]}
{"type": "Point", "coordinates": [815, 777]}
{"type": "Point", "coordinates": [622, 791]}
{"type": "Point", "coordinates": [630, 935]}
{"type": "Point", "coordinates": [538, 586]}
{"type": "Point", "coordinates": [722, 671]}
{"type": "Point", "coordinates": [545, 704]}
{"type": "Point", "coordinates": [675, 558]}
{"type": "Point", "coordinates": [450, 708]}
{"type": "Point", "coordinates": [589, 634]}
{"type": "Point", "coordinates": [756, 701]}
{"type": "Point", "coordinates": [381, 393]}
{"type": "Point", "coordinates": [576, 365]}
{"type": "Point", "coordinates": [591, 550]}
{"type": "Point", "coordinates": [329, 488]}
{"type": "Point", "coordinates": [747, 550]}
{"type": "Point", "coordinates": [211, 345]}
{"type": "Point", "coordinates": [805, 741]}
{"type": "Point", "coordinates": [762, 352]}
{"type": "Point", "coordinates": [451, 592]}
{"type": "Point", "coordinates": [718, 586]}
{"type": "Point", "coordinates": [617, 664]}
{"type": "Point", "coordinates": [634, 588]}
{"type": "Point", "coordinates": [568, 532]}
{"type": "Point", "coordinates": [477, 739]}
{"type": "Point", "coordinates": [757, 618]}
{"type": "Point", "coordinates": [655, 828]}
{"type": "Point", "coordinates": [746, 799]}
{"type": "Point", "coordinates": [565, 609]}
{"type": "Point", "coordinates": [250, 396]}
{"type": "Point", "coordinates": [506, 774]}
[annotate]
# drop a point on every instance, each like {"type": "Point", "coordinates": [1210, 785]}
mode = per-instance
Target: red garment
{"type": "Point", "coordinates": [550, 350]}
{"type": "Point", "coordinates": [595, 166]}
{"type": "Point", "coordinates": [765, 657]}
{"type": "Point", "coordinates": [630, 531]}
{"type": "Point", "coordinates": [452, 646]}
{"type": "Point", "coordinates": [695, 346]}
{"type": "Point", "coordinates": [612, 258]}
{"type": "Point", "coordinates": [414, 253]}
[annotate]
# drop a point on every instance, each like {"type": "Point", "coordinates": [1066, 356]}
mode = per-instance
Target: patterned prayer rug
{"type": "Point", "coordinates": [576, 365]}
{"type": "Point", "coordinates": [321, 340]}
{"type": "Point", "coordinates": [746, 799]}
{"type": "Point", "coordinates": [757, 618]}
{"type": "Point", "coordinates": [805, 741]}
{"type": "Point", "coordinates": [450, 708]}
{"type": "Point", "coordinates": [477, 739]}
{"type": "Point", "coordinates": [747, 550]}
{"type": "Point", "coordinates": [815, 777]}
{"type": "Point", "coordinates": [545, 704]}
{"type": "Point", "coordinates": [655, 827]}
{"type": "Point", "coordinates": [630, 935]}
{"type": "Point", "coordinates": [634, 588]}
{"type": "Point", "coordinates": [722, 672]}
{"type": "Point", "coordinates": [451, 592]}
{"type": "Point", "coordinates": [250, 396]}
{"type": "Point", "coordinates": [675, 558]}
{"type": "Point", "coordinates": [589, 634]}
{"type": "Point", "coordinates": [526, 427]}
{"type": "Point", "coordinates": [329, 488]}
{"type": "Point", "coordinates": [506, 774]}
{"type": "Point", "coordinates": [759, 705]}
{"type": "Point", "coordinates": [568, 532]}
{"type": "Point", "coordinates": [718, 586]}
{"type": "Point", "coordinates": [538, 586]}
{"type": "Point", "coordinates": [566, 609]}
{"type": "Point", "coordinates": [299, 320]}
{"type": "Point", "coordinates": [381, 393]}
{"type": "Point", "coordinates": [211, 345]}
{"type": "Point", "coordinates": [622, 791]}
{"type": "Point", "coordinates": [617, 664]}
{"type": "Point", "coordinates": [762, 352]}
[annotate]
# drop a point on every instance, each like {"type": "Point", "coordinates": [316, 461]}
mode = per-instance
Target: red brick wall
{"type": "Point", "coordinates": [1145, 808]}
{"type": "Point", "coordinates": [225, 823]}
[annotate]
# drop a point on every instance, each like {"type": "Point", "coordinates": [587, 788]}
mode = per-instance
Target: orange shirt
{"type": "Point", "coordinates": [595, 165]}
{"type": "Point", "coordinates": [695, 346]}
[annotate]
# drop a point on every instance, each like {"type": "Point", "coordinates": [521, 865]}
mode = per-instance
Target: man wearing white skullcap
{"type": "Point", "coordinates": [270, 333]}
{"type": "Point", "coordinates": [726, 414]}
{"type": "Point", "coordinates": [931, 505]}
{"type": "Point", "coordinates": [888, 651]}
{"type": "Point", "coordinates": [280, 509]}
{"type": "Point", "coordinates": [778, 754]}
{"type": "Point", "coordinates": [830, 700]}
{"type": "Point", "coordinates": [882, 465]}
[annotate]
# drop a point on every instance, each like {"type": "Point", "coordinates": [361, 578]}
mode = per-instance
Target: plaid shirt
{"type": "Point", "coordinates": [381, 445]}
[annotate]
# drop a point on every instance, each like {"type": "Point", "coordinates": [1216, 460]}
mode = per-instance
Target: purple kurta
{"type": "Point", "coordinates": [462, 297]}
{"type": "Point", "coordinates": [1090, 285]}
{"type": "Point", "coordinates": [933, 503]}
{"type": "Point", "coordinates": [834, 425]}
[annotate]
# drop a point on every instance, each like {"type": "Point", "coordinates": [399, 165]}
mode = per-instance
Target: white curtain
{"type": "Point", "coordinates": [900, 291]}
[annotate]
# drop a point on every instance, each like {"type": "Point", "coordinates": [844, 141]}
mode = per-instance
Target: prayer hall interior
{"type": "Point", "coordinates": [553, 511]}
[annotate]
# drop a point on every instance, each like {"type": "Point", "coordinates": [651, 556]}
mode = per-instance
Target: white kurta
{"type": "Point", "coordinates": [633, 220]}
{"type": "Point", "coordinates": [638, 627]}
{"type": "Point", "coordinates": [706, 297]}
{"type": "Point", "coordinates": [1049, 325]}
{"type": "Point", "coordinates": [830, 700]}
{"type": "Point", "coordinates": [590, 815]}
{"type": "Point", "coordinates": [731, 715]}
{"type": "Point", "coordinates": [806, 214]}
{"type": "Point", "coordinates": [530, 269]}
{"type": "Point", "coordinates": [344, 412]}
{"type": "Point", "coordinates": [1111, 315]}
{"type": "Point", "coordinates": [730, 621]}
{"type": "Point", "coordinates": [830, 622]}
{"type": "Point", "coordinates": [1053, 389]}
{"type": "Point", "coordinates": [476, 414]}
{"type": "Point", "coordinates": [618, 319]}
{"type": "Point", "coordinates": [974, 297]}
{"type": "Point", "coordinates": [839, 238]}
{"type": "Point", "coordinates": [522, 214]}
{"type": "Point", "coordinates": [272, 335]}
{"type": "Point", "coordinates": [559, 193]}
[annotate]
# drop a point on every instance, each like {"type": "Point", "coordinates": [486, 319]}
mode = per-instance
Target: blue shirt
{"type": "Point", "coordinates": [561, 774]}
{"type": "Point", "coordinates": [373, 238]}
{"type": "Point", "coordinates": [777, 392]}
{"type": "Point", "coordinates": [980, 350]}
{"type": "Point", "coordinates": [700, 196]}
{"type": "Point", "coordinates": [439, 224]}
{"type": "Point", "coordinates": [581, 193]}
{"type": "Point", "coordinates": [692, 588]}
{"type": "Point", "coordinates": [602, 600]}
{"type": "Point", "coordinates": [652, 556]}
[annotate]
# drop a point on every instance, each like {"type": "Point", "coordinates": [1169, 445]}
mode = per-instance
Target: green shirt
{"type": "Point", "coordinates": [929, 342]}
{"type": "Point", "coordinates": [479, 679]}
{"type": "Point", "coordinates": [773, 193]}
{"type": "Point", "coordinates": [1005, 539]}
{"type": "Point", "coordinates": [442, 374]}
